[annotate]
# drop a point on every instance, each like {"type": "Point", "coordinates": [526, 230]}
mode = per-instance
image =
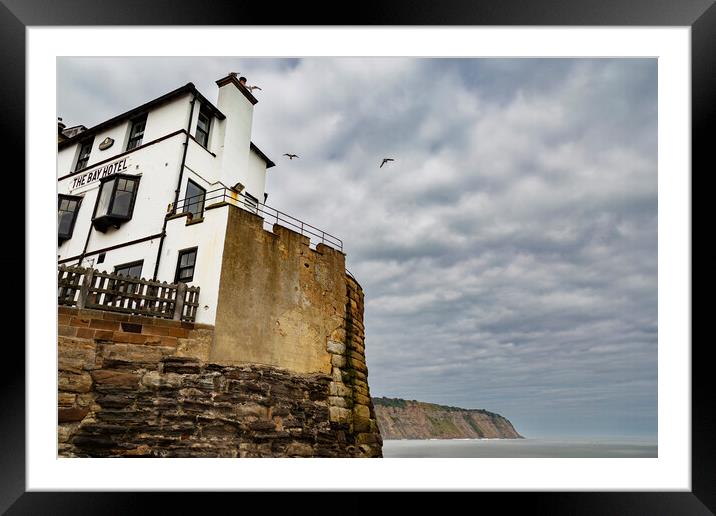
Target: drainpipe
{"type": "Point", "coordinates": [176, 192]}
{"type": "Point", "coordinates": [89, 231]}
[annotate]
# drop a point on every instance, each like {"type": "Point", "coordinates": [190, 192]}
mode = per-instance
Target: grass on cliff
{"type": "Point", "coordinates": [401, 403]}
{"type": "Point", "coordinates": [440, 427]}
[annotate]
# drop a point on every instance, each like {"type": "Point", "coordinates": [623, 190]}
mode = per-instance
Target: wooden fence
{"type": "Point", "coordinates": [90, 288]}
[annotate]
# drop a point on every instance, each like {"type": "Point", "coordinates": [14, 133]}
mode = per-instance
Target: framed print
{"type": "Point", "coordinates": [668, 49]}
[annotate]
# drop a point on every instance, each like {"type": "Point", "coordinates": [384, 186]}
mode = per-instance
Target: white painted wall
{"type": "Point", "coordinates": [203, 163]}
{"type": "Point", "coordinates": [237, 133]}
{"type": "Point", "coordinates": [161, 120]}
{"type": "Point", "coordinates": [66, 159]}
{"type": "Point", "coordinates": [167, 118]}
{"type": "Point", "coordinates": [217, 133]}
{"type": "Point", "coordinates": [146, 251]}
{"type": "Point", "coordinates": [158, 165]}
{"type": "Point", "coordinates": [255, 176]}
{"type": "Point", "coordinates": [208, 236]}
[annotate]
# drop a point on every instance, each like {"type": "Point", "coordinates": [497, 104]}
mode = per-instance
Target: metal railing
{"type": "Point", "coordinates": [270, 215]}
{"type": "Point", "coordinates": [89, 288]}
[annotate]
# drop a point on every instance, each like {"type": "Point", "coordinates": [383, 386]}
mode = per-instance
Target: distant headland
{"type": "Point", "coordinates": [410, 419]}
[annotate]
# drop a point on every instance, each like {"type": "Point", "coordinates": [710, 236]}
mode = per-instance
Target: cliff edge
{"type": "Point", "coordinates": [404, 419]}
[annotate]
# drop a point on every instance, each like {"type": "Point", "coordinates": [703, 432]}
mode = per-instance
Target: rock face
{"type": "Point", "coordinates": [403, 419]}
{"type": "Point", "coordinates": [184, 408]}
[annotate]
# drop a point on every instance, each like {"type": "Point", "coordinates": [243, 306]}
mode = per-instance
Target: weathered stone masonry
{"type": "Point", "coordinates": [350, 401]}
{"type": "Point", "coordinates": [140, 386]}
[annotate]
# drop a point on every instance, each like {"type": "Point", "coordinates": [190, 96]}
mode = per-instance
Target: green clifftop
{"type": "Point", "coordinates": [410, 419]}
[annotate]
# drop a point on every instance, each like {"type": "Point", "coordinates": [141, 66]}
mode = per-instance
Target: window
{"type": "Point", "coordinates": [133, 270]}
{"type": "Point", "coordinates": [185, 265]}
{"type": "Point", "coordinates": [136, 133]}
{"type": "Point", "coordinates": [83, 158]}
{"type": "Point", "coordinates": [115, 202]}
{"type": "Point", "coordinates": [202, 127]}
{"type": "Point", "coordinates": [194, 201]}
{"type": "Point", "coordinates": [67, 208]}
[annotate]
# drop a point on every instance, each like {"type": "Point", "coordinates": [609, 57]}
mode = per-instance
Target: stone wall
{"type": "Point", "coordinates": [350, 401]}
{"type": "Point", "coordinates": [280, 301]}
{"type": "Point", "coordinates": [141, 386]}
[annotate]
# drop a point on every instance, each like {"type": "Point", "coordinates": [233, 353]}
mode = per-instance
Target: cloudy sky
{"type": "Point", "coordinates": [509, 253]}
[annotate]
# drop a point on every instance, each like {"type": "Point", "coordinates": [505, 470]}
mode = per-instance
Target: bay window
{"type": "Point", "coordinates": [115, 202]}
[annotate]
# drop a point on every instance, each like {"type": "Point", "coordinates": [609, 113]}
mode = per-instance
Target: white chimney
{"type": "Point", "coordinates": [237, 103]}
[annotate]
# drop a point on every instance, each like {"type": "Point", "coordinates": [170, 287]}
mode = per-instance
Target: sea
{"type": "Point", "coordinates": [568, 447]}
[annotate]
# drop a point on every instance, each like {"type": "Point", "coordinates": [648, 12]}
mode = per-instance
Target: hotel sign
{"type": "Point", "coordinates": [98, 173]}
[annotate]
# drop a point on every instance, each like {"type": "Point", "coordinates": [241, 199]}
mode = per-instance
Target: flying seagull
{"type": "Point", "coordinates": [291, 156]}
{"type": "Point", "coordinates": [385, 160]}
{"type": "Point", "coordinates": [252, 88]}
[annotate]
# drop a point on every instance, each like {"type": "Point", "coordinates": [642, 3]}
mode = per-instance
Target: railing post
{"type": "Point", "coordinates": [179, 301]}
{"type": "Point", "coordinates": [84, 289]}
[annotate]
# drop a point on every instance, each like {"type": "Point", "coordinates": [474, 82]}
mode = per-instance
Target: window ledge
{"type": "Point", "coordinates": [172, 216]}
{"type": "Point", "coordinates": [200, 145]}
{"type": "Point", "coordinates": [216, 205]}
{"type": "Point", "coordinates": [104, 222]}
{"type": "Point", "coordinates": [190, 222]}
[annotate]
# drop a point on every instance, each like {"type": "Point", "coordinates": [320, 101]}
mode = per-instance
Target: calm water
{"type": "Point", "coordinates": [524, 448]}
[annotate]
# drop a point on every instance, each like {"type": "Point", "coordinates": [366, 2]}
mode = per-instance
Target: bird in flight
{"type": "Point", "coordinates": [385, 160]}
{"type": "Point", "coordinates": [291, 156]}
{"type": "Point", "coordinates": [252, 88]}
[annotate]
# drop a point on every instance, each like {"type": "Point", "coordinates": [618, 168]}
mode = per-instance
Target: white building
{"type": "Point", "coordinates": [135, 192]}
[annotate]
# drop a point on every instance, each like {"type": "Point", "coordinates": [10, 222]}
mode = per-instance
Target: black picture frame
{"type": "Point", "coordinates": [17, 15]}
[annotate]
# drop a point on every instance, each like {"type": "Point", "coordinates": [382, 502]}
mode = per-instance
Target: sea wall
{"type": "Point", "coordinates": [349, 400]}
{"type": "Point", "coordinates": [280, 302]}
{"type": "Point", "coordinates": [140, 386]}
{"type": "Point", "coordinates": [282, 373]}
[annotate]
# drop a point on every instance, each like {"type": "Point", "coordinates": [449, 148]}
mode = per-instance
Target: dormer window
{"type": "Point", "coordinates": [83, 158]}
{"type": "Point", "coordinates": [67, 208]}
{"type": "Point", "coordinates": [202, 127]}
{"type": "Point", "coordinates": [115, 203]}
{"type": "Point", "coordinates": [136, 133]}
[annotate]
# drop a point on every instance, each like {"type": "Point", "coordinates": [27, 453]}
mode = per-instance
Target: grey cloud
{"type": "Point", "coordinates": [508, 255]}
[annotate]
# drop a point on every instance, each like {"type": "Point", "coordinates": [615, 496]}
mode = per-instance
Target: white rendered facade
{"type": "Point", "coordinates": [174, 151]}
